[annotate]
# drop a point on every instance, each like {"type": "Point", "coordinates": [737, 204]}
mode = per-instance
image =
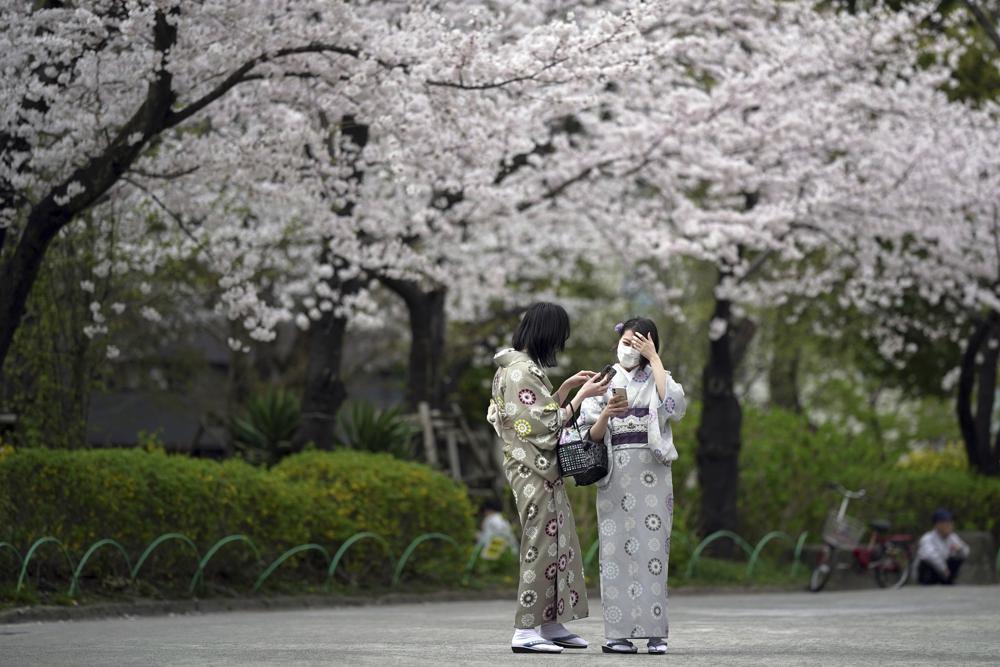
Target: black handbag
{"type": "Point", "coordinates": [581, 458]}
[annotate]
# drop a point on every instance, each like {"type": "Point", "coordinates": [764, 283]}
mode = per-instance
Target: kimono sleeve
{"type": "Point", "coordinates": [590, 411]}
{"type": "Point", "coordinates": [536, 416]}
{"type": "Point", "coordinates": [674, 404]}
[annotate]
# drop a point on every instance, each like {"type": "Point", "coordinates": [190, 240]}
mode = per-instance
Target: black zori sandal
{"type": "Point", "coordinates": [619, 646]}
{"type": "Point", "coordinates": [530, 647]}
{"type": "Point", "coordinates": [567, 641]}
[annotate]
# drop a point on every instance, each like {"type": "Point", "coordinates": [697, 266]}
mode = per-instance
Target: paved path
{"type": "Point", "coordinates": [914, 626]}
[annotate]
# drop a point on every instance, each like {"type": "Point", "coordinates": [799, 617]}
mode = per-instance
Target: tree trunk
{"type": "Point", "coordinates": [783, 373]}
{"type": "Point", "coordinates": [719, 432]}
{"type": "Point", "coordinates": [324, 392]}
{"type": "Point", "coordinates": [427, 336]}
{"type": "Point", "coordinates": [979, 366]}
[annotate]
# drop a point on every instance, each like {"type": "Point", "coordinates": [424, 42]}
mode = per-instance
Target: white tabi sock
{"type": "Point", "coordinates": [524, 636]}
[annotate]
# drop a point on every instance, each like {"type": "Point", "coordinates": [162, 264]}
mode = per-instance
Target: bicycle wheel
{"type": "Point", "coordinates": [821, 573]}
{"type": "Point", "coordinates": [892, 568]}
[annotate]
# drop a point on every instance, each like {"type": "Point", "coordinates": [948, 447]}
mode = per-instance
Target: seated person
{"type": "Point", "coordinates": [495, 525]}
{"type": "Point", "coordinates": [941, 551]}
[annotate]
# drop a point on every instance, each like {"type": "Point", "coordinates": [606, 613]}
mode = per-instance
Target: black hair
{"type": "Point", "coordinates": [644, 326]}
{"type": "Point", "coordinates": [490, 505]}
{"type": "Point", "coordinates": [543, 331]}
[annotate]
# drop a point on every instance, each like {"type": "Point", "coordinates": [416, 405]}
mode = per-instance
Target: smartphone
{"type": "Point", "coordinates": [620, 391]}
{"type": "Point", "coordinates": [608, 372]}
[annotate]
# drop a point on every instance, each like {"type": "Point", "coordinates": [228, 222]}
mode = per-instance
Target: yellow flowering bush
{"type": "Point", "coordinates": [951, 457]}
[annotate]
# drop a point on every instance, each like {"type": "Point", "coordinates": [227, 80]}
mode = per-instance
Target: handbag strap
{"type": "Point", "coordinates": [574, 417]}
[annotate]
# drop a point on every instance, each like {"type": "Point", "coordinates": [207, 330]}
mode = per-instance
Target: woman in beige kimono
{"type": "Point", "coordinates": [527, 416]}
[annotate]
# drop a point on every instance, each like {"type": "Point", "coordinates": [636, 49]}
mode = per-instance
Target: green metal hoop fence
{"type": "Point", "coordinates": [162, 539]}
{"type": "Point", "coordinates": [412, 547]}
{"type": "Point", "coordinates": [74, 581]}
{"type": "Point", "coordinates": [797, 555]}
{"type": "Point", "coordinates": [755, 556]}
{"type": "Point", "coordinates": [717, 535]}
{"type": "Point", "coordinates": [285, 556]}
{"type": "Point", "coordinates": [203, 561]}
{"type": "Point", "coordinates": [357, 537]}
{"type": "Point", "coordinates": [471, 563]}
{"type": "Point", "coordinates": [199, 573]}
{"type": "Point", "coordinates": [12, 548]}
{"type": "Point", "coordinates": [31, 552]}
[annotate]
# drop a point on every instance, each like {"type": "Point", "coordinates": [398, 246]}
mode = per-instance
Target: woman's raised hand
{"type": "Point", "coordinates": [594, 386]}
{"type": "Point", "coordinates": [579, 378]}
{"type": "Point", "coordinates": [643, 345]}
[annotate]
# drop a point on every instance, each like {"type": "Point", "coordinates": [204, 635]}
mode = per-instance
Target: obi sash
{"type": "Point", "coordinates": [630, 429]}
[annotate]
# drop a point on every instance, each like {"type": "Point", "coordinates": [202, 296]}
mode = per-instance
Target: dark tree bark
{"type": "Point", "coordinates": [979, 367]}
{"type": "Point", "coordinates": [427, 337]}
{"type": "Point", "coordinates": [719, 431]}
{"type": "Point", "coordinates": [324, 391]}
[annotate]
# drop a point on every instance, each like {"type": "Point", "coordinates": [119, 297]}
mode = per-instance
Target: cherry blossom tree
{"type": "Point", "coordinates": [88, 89]}
{"type": "Point", "coordinates": [924, 227]}
{"type": "Point", "coordinates": [739, 144]}
{"type": "Point", "coordinates": [302, 192]}
{"type": "Point", "coordinates": [227, 120]}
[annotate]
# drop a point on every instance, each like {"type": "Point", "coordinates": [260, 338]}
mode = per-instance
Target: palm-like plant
{"type": "Point", "coordinates": [373, 430]}
{"type": "Point", "coordinates": [264, 435]}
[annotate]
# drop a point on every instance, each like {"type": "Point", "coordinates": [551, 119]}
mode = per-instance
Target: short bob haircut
{"type": "Point", "coordinates": [644, 326]}
{"type": "Point", "coordinates": [543, 331]}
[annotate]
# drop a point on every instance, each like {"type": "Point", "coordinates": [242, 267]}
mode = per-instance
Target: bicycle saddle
{"type": "Point", "coordinates": [880, 526]}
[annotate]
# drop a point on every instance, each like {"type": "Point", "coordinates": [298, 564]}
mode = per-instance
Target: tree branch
{"type": "Point", "coordinates": [238, 75]}
{"type": "Point", "coordinates": [557, 190]}
{"type": "Point", "coordinates": [498, 84]}
{"type": "Point", "coordinates": [984, 21]}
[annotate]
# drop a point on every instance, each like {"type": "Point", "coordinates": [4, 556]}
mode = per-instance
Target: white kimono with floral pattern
{"type": "Point", "coordinates": [526, 417]}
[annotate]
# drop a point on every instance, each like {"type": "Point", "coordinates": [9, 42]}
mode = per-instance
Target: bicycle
{"type": "Point", "coordinates": [886, 555]}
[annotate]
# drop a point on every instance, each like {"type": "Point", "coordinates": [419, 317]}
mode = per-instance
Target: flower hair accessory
{"type": "Point", "coordinates": [619, 328]}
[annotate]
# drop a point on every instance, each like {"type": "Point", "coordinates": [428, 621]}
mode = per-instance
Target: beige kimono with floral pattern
{"type": "Point", "coordinates": [528, 419]}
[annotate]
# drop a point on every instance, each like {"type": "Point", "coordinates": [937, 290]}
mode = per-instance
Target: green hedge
{"type": "Point", "coordinates": [380, 493]}
{"type": "Point", "coordinates": [786, 464]}
{"type": "Point", "coordinates": [133, 496]}
{"type": "Point", "coordinates": [908, 498]}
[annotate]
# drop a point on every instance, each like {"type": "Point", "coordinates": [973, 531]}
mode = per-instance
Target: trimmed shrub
{"type": "Point", "coordinates": [134, 496]}
{"type": "Point", "coordinates": [396, 499]}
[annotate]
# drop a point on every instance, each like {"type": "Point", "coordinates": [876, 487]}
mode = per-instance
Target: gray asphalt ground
{"type": "Point", "coordinates": [913, 626]}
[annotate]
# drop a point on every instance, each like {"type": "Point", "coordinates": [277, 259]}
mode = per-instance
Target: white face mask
{"type": "Point", "coordinates": [627, 356]}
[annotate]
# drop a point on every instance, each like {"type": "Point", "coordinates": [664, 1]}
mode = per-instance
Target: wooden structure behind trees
{"type": "Point", "coordinates": [469, 456]}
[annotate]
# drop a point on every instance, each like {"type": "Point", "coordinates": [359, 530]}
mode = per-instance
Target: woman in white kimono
{"type": "Point", "coordinates": [528, 417]}
{"type": "Point", "coordinates": [635, 502]}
